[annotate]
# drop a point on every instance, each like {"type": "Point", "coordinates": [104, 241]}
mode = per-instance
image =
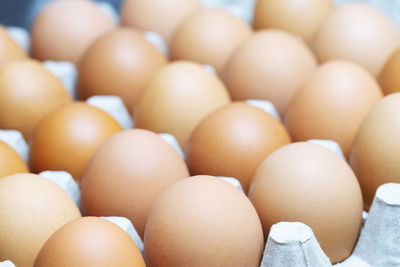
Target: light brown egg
{"type": "Point", "coordinates": [31, 210]}
{"type": "Point", "coordinates": [64, 29]}
{"type": "Point", "coordinates": [177, 98]}
{"type": "Point", "coordinates": [209, 36]}
{"type": "Point", "coordinates": [119, 63]}
{"type": "Point", "coordinates": [67, 138]}
{"type": "Point", "coordinates": [162, 16]}
{"type": "Point", "coordinates": [376, 151]}
{"type": "Point", "coordinates": [301, 18]}
{"type": "Point", "coordinates": [233, 140]}
{"type": "Point", "coordinates": [357, 32]}
{"type": "Point", "coordinates": [10, 161]}
{"type": "Point", "coordinates": [89, 241]}
{"type": "Point", "coordinates": [203, 221]}
{"type": "Point", "coordinates": [389, 77]}
{"type": "Point", "coordinates": [28, 92]}
{"type": "Point", "coordinates": [127, 174]}
{"type": "Point", "coordinates": [9, 49]}
{"type": "Point", "coordinates": [271, 65]}
{"type": "Point", "coordinates": [311, 184]}
{"type": "Point", "coordinates": [332, 104]}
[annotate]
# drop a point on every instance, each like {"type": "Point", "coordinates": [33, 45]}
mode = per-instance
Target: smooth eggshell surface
{"type": "Point", "coordinates": [9, 49]}
{"type": "Point", "coordinates": [389, 77]}
{"type": "Point", "coordinates": [90, 241]}
{"type": "Point", "coordinates": [203, 221]}
{"type": "Point", "coordinates": [10, 161]}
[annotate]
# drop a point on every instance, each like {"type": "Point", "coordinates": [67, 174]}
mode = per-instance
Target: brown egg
{"type": "Point", "coordinates": [28, 92]}
{"type": "Point", "coordinates": [375, 153]}
{"type": "Point", "coordinates": [9, 49]}
{"type": "Point", "coordinates": [177, 98]}
{"type": "Point", "coordinates": [389, 77]}
{"type": "Point", "coordinates": [271, 65]}
{"type": "Point", "coordinates": [10, 161]}
{"type": "Point", "coordinates": [332, 104]}
{"type": "Point", "coordinates": [127, 174]}
{"type": "Point", "coordinates": [210, 36]}
{"type": "Point", "coordinates": [162, 16]}
{"type": "Point", "coordinates": [233, 140]}
{"type": "Point", "coordinates": [89, 241]}
{"type": "Point", "coordinates": [119, 63]}
{"type": "Point", "coordinates": [357, 32]}
{"type": "Point", "coordinates": [67, 138]}
{"type": "Point", "coordinates": [301, 18]}
{"type": "Point", "coordinates": [64, 29]}
{"type": "Point", "coordinates": [311, 184]}
{"type": "Point", "coordinates": [203, 221]}
{"type": "Point", "coordinates": [31, 210]}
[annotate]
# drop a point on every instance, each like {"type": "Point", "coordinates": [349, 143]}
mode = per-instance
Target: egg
{"type": "Point", "coordinates": [89, 241]}
{"type": "Point", "coordinates": [10, 161]}
{"type": "Point", "coordinates": [203, 221]}
{"type": "Point", "coordinates": [375, 153]}
{"type": "Point", "coordinates": [119, 63]}
{"type": "Point", "coordinates": [270, 65]}
{"type": "Point", "coordinates": [9, 49]}
{"type": "Point", "coordinates": [64, 29]}
{"type": "Point", "coordinates": [28, 92]}
{"type": "Point", "coordinates": [233, 140]}
{"type": "Point", "coordinates": [389, 78]}
{"type": "Point", "coordinates": [162, 16]}
{"type": "Point", "coordinates": [332, 104]}
{"type": "Point", "coordinates": [311, 184]}
{"type": "Point", "coordinates": [127, 174]}
{"type": "Point", "coordinates": [67, 138]}
{"type": "Point", "coordinates": [178, 97]}
{"type": "Point", "coordinates": [357, 32]}
{"type": "Point", "coordinates": [31, 210]}
{"type": "Point", "coordinates": [302, 18]}
{"type": "Point", "coordinates": [209, 36]}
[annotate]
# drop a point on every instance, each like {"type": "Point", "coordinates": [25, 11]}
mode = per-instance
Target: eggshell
{"type": "Point", "coordinates": [302, 18]}
{"type": "Point", "coordinates": [270, 65]}
{"type": "Point", "coordinates": [375, 155]}
{"type": "Point", "coordinates": [209, 36]}
{"type": "Point", "coordinates": [389, 77]}
{"type": "Point", "coordinates": [203, 221]}
{"type": "Point", "coordinates": [89, 241]}
{"type": "Point", "coordinates": [162, 16]}
{"type": "Point", "coordinates": [67, 138]}
{"type": "Point", "coordinates": [310, 184]}
{"type": "Point", "coordinates": [178, 97]}
{"type": "Point", "coordinates": [64, 29]}
{"type": "Point", "coordinates": [233, 140]}
{"type": "Point", "coordinates": [119, 63]}
{"type": "Point", "coordinates": [357, 32]}
{"type": "Point", "coordinates": [10, 161]}
{"type": "Point", "coordinates": [28, 92]}
{"type": "Point", "coordinates": [9, 49]}
{"type": "Point", "coordinates": [127, 174]}
{"type": "Point", "coordinates": [31, 210]}
{"type": "Point", "coordinates": [332, 104]}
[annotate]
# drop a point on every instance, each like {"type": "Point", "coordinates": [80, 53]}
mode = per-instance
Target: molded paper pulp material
{"type": "Point", "coordinates": [379, 240]}
{"type": "Point", "coordinates": [332, 145]}
{"type": "Point", "coordinates": [21, 36]}
{"type": "Point", "coordinates": [156, 39]}
{"type": "Point", "coordinates": [266, 106]}
{"type": "Point", "coordinates": [240, 8]}
{"type": "Point", "coordinates": [128, 227]}
{"type": "Point", "coordinates": [66, 182]}
{"type": "Point", "coordinates": [210, 69]}
{"type": "Point", "coordinates": [353, 261]}
{"type": "Point", "coordinates": [235, 182]}
{"type": "Point", "coordinates": [66, 72]}
{"type": "Point", "coordinates": [110, 11]}
{"type": "Point", "coordinates": [15, 140]}
{"type": "Point", "coordinates": [170, 139]}
{"type": "Point", "coordinates": [114, 106]}
{"type": "Point", "coordinates": [7, 264]}
{"type": "Point", "coordinates": [293, 244]}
